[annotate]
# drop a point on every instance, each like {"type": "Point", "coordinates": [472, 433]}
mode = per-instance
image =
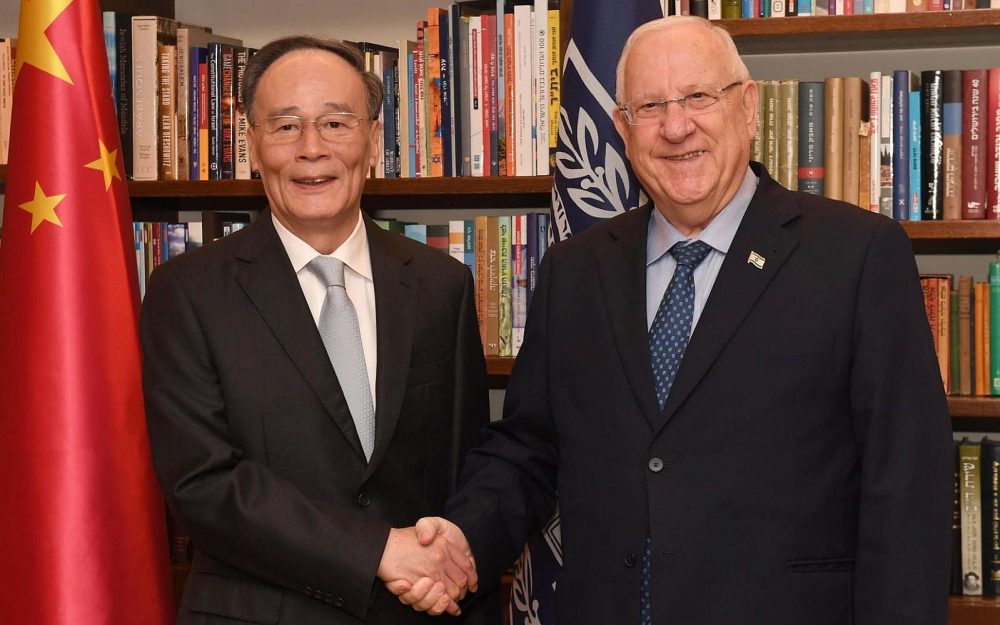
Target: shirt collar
{"type": "Point", "coordinates": [353, 251]}
{"type": "Point", "coordinates": [719, 234]}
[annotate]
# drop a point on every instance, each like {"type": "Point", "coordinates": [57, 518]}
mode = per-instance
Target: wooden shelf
{"type": "Point", "coordinates": [973, 610]}
{"type": "Point", "coordinates": [974, 407]}
{"type": "Point", "coordinates": [951, 230]}
{"type": "Point", "coordinates": [825, 33]}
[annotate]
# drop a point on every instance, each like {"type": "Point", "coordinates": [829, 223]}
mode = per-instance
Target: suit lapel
{"type": "Point", "coordinates": [738, 285]}
{"type": "Point", "coordinates": [622, 274]}
{"type": "Point", "coordinates": [266, 276]}
{"type": "Point", "coordinates": [395, 311]}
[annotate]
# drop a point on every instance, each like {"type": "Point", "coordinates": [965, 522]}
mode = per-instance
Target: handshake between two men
{"type": "Point", "coordinates": [429, 566]}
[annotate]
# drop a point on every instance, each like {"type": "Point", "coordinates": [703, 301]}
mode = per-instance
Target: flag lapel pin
{"type": "Point", "coordinates": [756, 260]}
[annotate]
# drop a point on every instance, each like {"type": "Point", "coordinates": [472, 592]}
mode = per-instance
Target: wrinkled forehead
{"type": "Point", "coordinates": [675, 61]}
{"type": "Point", "coordinates": [304, 78]}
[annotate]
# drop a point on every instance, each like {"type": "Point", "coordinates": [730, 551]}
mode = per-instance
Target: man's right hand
{"type": "Point", "coordinates": [428, 593]}
{"type": "Point", "coordinates": [429, 567]}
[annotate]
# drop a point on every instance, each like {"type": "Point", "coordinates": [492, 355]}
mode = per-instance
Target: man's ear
{"type": "Point", "coordinates": [376, 142]}
{"type": "Point", "coordinates": [751, 106]}
{"type": "Point", "coordinates": [621, 125]}
{"type": "Point", "coordinates": [251, 147]}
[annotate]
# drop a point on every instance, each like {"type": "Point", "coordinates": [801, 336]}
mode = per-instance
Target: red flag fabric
{"type": "Point", "coordinates": [82, 517]}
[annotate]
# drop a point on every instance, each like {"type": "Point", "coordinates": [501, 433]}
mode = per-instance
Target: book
{"type": "Point", "coordinates": [833, 122]}
{"type": "Point", "coordinates": [951, 145]}
{"type": "Point", "coordinates": [970, 493]}
{"type": "Point", "coordinates": [973, 165]}
{"type": "Point", "coordinates": [811, 131]}
{"type": "Point", "coordinates": [990, 501]}
{"type": "Point", "coordinates": [932, 133]}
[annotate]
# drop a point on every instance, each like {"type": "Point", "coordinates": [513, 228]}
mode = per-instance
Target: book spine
{"type": "Point", "coordinates": [456, 232]}
{"type": "Point", "coordinates": [811, 137]}
{"type": "Point", "coordinates": [447, 108]}
{"type": "Point", "coordinates": [788, 157]}
{"type": "Point", "coordinates": [994, 328]}
{"type": "Point", "coordinates": [475, 97]}
{"type": "Point", "coordinates": [915, 158]}
{"type": "Point", "coordinates": [519, 281]}
{"type": "Point", "coordinates": [972, 570]}
{"type": "Point", "coordinates": [458, 75]}
{"type": "Point", "coordinates": [432, 42]}
{"type": "Point", "coordinates": [226, 110]}
{"type": "Point", "coordinates": [214, 111]}
{"type": "Point", "coordinates": [965, 372]}
{"type": "Point", "coordinates": [990, 467]}
{"type": "Point", "coordinates": [389, 121]}
{"type": "Point", "coordinates": [974, 88]}
{"type": "Point", "coordinates": [951, 156]}
{"type": "Point", "coordinates": [194, 114]}
{"type": "Point", "coordinates": [540, 84]}
{"type": "Point", "coordinates": [167, 111]}
{"type": "Point", "coordinates": [833, 122]}
{"type": "Point", "coordinates": [885, 206]}
{"type": "Point", "coordinates": [531, 249]}
{"type": "Point", "coordinates": [874, 130]}
{"type": "Point", "coordinates": [772, 128]}
{"type": "Point", "coordinates": [144, 100]}
{"type": "Point", "coordinates": [492, 345]}
{"type": "Point", "coordinates": [504, 276]}
{"type": "Point", "coordinates": [993, 145]}
{"type": "Point", "coordinates": [123, 40]}
{"type": "Point", "coordinates": [469, 245]}
{"type": "Point", "coordinates": [853, 90]}
{"type": "Point", "coordinates": [240, 142]}
{"type": "Point", "coordinates": [932, 123]}
{"type": "Point", "coordinates": [419, 104]}
{"type": "Point", "coordinates": [554, 86]}
{"type": "Point", "coordinates": [183, 101]}
{"type": "Point", "coordinates": [203, 115]}
{"type": "Point", "coordinates": [492, 87]}
{"type": "Point", "coordinates": [900, 144]}
{"type": "Point", "coordinates": [482, 277]}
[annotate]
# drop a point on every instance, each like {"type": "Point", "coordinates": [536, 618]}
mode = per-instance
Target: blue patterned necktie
{"type": "Point", "coordinates": [668, 338]}
{"type": "Point", "coordinates": [338, 326]}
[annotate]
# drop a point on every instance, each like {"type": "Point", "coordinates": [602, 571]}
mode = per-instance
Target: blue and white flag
{"type": "Point", "coordinates": [593, 181]}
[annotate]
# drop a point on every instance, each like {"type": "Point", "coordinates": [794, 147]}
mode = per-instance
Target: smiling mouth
{"type": "Point", "coordinates": [686, 156]}
{"type": "Point", "coordinates": [312, 182]}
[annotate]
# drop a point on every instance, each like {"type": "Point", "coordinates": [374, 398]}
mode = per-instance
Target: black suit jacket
{"type": "Point", "coordinates": [801, 470]}
{"type": "Point", "coordinates": [253, 442]}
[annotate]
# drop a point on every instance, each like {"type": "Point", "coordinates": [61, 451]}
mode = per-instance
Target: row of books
{"type": "Point", "coordinates": [965, 326]}
{"type": "Point", "coordinates": [751, 9]}
{"type": "Point", "coordinates": [911, 145]}
{"type": "Point", "coordinates": [176, 90]}
{"type": "Point", "coordinates": [976, 518]}
{"type": "Point", "coordinates": [475, 94]}
{"type": "Point", "coordinates": [504, 254]}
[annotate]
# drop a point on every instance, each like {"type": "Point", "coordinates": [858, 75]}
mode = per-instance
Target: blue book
{"type": "Point", "coordinates": [417, 232]}
{"type": "Point", "coordinates": [111, 50]}
{"type": "Point", "coordinates": [543, 235]}
{"type": "Point", "coordinates": [901, 145]}
{"type": "Point", "coordinates": [389, 120]}
{"type": "Point", "coordinates": [411, 130]}
{"type": "Point", "coordinates": [915, 153]}
{"type": "Point", "coordinates": [805, 7]}
{"type": "Point", "coordinates": [533, 254]}
{"type": "Point", "coordinates": [447, 114]}
{"type": "Point", "coordinates": [469, 244]}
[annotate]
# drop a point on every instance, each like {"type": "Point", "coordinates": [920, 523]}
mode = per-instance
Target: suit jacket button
{"type": "Point", "coordinates": [629, 559]}
{"type": "Point", "coordinates": [364, 500]}
{"type": "Point", "coordinates": [309, 591]}
{"type": "Point", "coordinates": [339, 602]}
{"type": "Point", "coordinates": [655, 464]}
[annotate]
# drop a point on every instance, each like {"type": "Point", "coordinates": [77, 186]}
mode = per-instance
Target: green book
{"type": "Point", "coordinates": [503, 258]}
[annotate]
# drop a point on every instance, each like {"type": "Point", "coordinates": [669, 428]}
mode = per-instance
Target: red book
{"type": "Point", "coordinates": [83, 517]}
{"type": "Point", "coordinates": [993, 145]}
{"type": "Point", "coordinates": [973, 144]}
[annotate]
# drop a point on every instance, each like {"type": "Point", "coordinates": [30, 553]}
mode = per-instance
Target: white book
{"type": "Point", "coordinates": [715, 9]}
{"type": "Point", "coordinates": [476, 94]}
{"type": "Point", "coordinates": [885, 146]}
{"type": "Point", "coordinates": [897, 6]}
{"type": "Point", "coordinates": [524, 158]}
{"type": "Point", "coordinates": [145, 94]}
{"type": "Point", "coordinates": [540, 80]}
{"type": "Point", "coordinates": [874, 133]}
{"type": "Point", "coordinates": [778, 8]}
{"type": "Point", "coordinates": [456, 239]}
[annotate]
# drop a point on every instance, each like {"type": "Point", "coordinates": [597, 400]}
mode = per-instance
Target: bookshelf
{"type": "Point", "coordinates": [767, 39]}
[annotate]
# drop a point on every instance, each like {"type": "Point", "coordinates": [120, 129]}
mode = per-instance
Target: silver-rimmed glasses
{"type": "Point", "coordinates": [288, 128]}
{"type": "Point", "coordinates": [652, 110]}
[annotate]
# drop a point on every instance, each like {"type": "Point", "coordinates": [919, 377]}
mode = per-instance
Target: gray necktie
{"type": "Point", "coordinates": [338, 325]}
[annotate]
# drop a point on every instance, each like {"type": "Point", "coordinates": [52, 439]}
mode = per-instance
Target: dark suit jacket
{"type": "Point", "coordinates": [253, 442]}
{"type": "Point", "coordinates": [801, 470]}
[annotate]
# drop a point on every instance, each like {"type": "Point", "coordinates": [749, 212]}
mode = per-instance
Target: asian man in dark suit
{"type": "Point", "coordinates": [296, 416]}
{"type": "Point", "coordinates": [732, 391]}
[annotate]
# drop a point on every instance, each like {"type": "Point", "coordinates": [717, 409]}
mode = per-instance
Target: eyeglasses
{"type": "Point", "coordinates": [650, 111]}
{"type": "Point", "coordinates": [331, 127]}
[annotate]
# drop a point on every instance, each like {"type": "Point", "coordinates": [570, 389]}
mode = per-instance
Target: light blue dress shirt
{"type": "Point", "coordinates": [719, 234]}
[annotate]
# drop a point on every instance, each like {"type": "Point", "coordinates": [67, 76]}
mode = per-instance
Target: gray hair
{"type": "Point", "coordinates": [271, 52]}
{"type": "Point", "coordinates": [731, 56]}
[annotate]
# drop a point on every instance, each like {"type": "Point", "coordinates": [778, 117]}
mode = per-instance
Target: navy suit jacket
{"type": "Point", "coordinates": [255, 447]}
{"type": "Point", "coordinates": [801, 470]}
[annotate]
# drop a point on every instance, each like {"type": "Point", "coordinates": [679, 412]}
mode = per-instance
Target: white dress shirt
{"type": "Point", "coordinates": [357, 281]}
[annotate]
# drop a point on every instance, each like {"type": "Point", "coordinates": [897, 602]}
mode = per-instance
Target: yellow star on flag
{"type": "Point", "coordinates": [34, 47]}
{"type": "Point", "coordinates": [43, 207]}
{"type": "Point", "coordinates": [107, 164]}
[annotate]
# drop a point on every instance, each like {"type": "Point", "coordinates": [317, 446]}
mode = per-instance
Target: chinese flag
{"type": "Point", "coordinates": [81, 516]}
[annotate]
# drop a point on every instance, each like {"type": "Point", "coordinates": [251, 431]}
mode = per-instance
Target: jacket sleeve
{"type": "Point", "coordinates": [903, 434]}
{"type": "Point", "coordinates": [508, 486]}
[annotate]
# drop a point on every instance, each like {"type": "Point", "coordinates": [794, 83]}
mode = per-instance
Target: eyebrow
{"type": "Point", "coordinates": [331, 107]}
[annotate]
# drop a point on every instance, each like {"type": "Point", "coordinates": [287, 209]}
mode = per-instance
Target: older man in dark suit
{"type": "Point", "coordinates": [732, 390]}
{"type": "Point", "coordinates": [312, 381]}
